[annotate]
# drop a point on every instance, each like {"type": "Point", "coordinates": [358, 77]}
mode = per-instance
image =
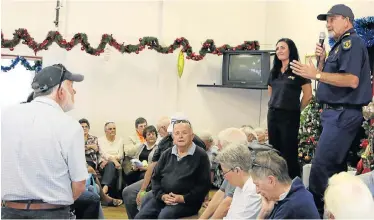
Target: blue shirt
{"type": "Point", "coordinates": [348, 55]}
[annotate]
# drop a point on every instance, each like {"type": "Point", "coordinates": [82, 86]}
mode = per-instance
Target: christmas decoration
{"type": "Point", "coordinates": [309, 132]}
{"type": "Point", "coordinates": [36, 67]}
{"type": "Point", "coordinates": [145, 42]}
{"type": "Point", "coordinates": [180, 65]}
{"type": "Point", "coordinates": [366, 164]}
{"type": "Point", "coordinates": [364, 28]}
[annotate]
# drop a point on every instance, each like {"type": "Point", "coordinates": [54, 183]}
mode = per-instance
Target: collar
{"type": "Point", "coordinates": [149, 147]}
{"type": "Point", "coordinates": [247, 183]}
{"type": "Point", "coordinates": [190, 151]}
{"type": "Point", "coordinates": [347, 33]}
{"type": "Point", "coordinates": [48, 101]}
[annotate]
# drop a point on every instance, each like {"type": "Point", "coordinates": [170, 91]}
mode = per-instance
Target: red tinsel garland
{"type": "Point", "coordinates": [149, 42]}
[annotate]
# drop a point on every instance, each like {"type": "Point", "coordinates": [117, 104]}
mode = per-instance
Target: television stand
{"type": "Point", "coordinates": [231, 86]}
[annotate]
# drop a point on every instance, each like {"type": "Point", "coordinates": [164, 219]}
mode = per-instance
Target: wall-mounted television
{"type": "Point", "coordinates": [247, 68]}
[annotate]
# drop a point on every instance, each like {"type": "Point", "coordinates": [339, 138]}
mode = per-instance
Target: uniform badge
{"type": "Point", "coordinates": [347, 44]}
{"type": "Point", "coordinates": [291, 77]}
{"type": "Point", "coordinates": [336, 50]}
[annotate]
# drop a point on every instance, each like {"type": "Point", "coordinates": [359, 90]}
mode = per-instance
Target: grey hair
{"type": "Point", "coordinates": [232, 135]}
{"type": "Point", "coordinates": [235, 155]}
{"type": "Point", "coordinates": [248, 130]}
{"type": "Point", "coordinates": [206, 135]}
{"type": "Point", "coordinates": [48, 92]}
{"type": "Point", "coordinates": [269, 163]}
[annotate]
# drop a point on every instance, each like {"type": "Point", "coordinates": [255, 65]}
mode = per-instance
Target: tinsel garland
{"type": "Point", "coordinates": [364, 28]}
{"type": "Point", "coordinates": [36, 67]}
{"type": "Point", "coordinates": [151, 43]}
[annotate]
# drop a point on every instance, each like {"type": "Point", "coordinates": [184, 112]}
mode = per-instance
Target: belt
{"type": "Point", "coordinates": [29, 205]}
{"type": "Point", "coordinates": [341, 106]}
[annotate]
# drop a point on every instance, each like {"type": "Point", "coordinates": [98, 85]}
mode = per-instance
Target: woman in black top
{"type": "Point", "coordinates": [284, 89]}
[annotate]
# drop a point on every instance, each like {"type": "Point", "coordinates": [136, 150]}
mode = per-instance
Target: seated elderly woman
{"type": "Point", "coordinates": [181, 178]}
{"type": "Point", "coordinates": [347, 197]}
{"type": "Point", "coordinates": [235, 160]}
{"type": "Point", "coordinates": [144, 155]}
{"type": "Point", "coordinates": [282, 198]}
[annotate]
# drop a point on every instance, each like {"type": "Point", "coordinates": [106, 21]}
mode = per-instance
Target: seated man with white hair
{"type": "Point", "coordinates": [347, 197]}
{"type": "Point", "coordinates": [282, 198]}
{"type": "Point", "coordinates": [235, 160]}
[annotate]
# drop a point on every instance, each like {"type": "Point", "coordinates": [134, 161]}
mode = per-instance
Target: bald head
{"type": "Point", "coordinates": [162, 126]}
{"type": "Point", "coordinates": [231, 136]}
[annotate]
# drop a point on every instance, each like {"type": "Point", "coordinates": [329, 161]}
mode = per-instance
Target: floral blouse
{"type": "Point", "coordinates": [91, 154]}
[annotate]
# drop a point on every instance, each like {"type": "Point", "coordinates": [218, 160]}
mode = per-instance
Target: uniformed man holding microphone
{"type": "Point", "coordinates": [344, 87]}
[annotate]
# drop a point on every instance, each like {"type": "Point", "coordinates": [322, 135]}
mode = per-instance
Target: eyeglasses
{"type": "Point", "coordinates": [63, 70]}
{"type": "Point", "coordinates": [224, 173]}
{"type": "Point", "coordinates": [182, 121]}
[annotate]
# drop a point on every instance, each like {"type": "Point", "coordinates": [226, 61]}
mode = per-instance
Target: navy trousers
{"type": "Point", "coordinates": [156, 209]}
{"type": "Point", "coordinates": [339, 130]}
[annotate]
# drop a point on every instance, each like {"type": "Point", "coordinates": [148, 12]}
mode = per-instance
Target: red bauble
{"type": "Point", "coordinates": [11, 49]}
{"type": "Point", "coordinates": [68, 49]}
{"type": "Point", "coordinates": [137, 52]}
{"type": "Point", "coordinates": [188, 58]}
{"type": "Point", "coordinates": [82, 48]}
{"type": "Point", "coordinates": [140, 39]}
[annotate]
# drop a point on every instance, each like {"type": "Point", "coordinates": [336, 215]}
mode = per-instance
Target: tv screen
{"type": "Point", "coordinates": [245, 67]}
{"type": "Point", "coordinates": [249, 69]}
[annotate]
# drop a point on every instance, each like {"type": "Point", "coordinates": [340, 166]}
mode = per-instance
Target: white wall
{"type": "Point", "coordinates": [123, 87]}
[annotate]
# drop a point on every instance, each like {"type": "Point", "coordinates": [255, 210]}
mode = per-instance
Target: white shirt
{"type": "Point", "coordinates": [246, 203]}
{"type": "Point", "coordinates": [108, 148]}
{"type": "Point", "coordinates": [42, 152]}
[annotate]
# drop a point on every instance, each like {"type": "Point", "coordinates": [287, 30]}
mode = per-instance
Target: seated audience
{"type": "Point", "coordinates": [249, 132]}
{"type": "Point", "coordinates": [221, 201]}
{"type": "Point", "coordinates": [282, 198]}
{"type": "Point", "coordinates": [134, 141]}
{"type": "Point", "coordinates": [235, 160]}
{"type": "Point", "coordinates": [347, 197]}
{"type": "Point", "coordinates": [139, 189]}
{"type": "Point", "coordinates": [261, 135]}
{"type": "Point", "coordinates": [111, 153]}
{"type": "Point", "coordinates": [181, 178]}
{"type": "Point", "coordinates": [144, 155]}
{"type": "Point", "coordinates": [208, 140]}
{"type": "Point", "coordinates": [92, 150]}
{"type": "Point", "coordinates": [162, 128]}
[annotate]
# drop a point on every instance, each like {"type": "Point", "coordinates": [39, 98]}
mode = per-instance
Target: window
{"type": "Point", "coordinates": [15, 85]}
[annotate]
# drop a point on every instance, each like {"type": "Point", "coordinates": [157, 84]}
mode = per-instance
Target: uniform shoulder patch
{"type": "Point", "coordinates": [347, 44]}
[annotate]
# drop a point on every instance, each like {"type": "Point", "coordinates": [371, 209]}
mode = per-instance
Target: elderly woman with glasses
{"type": "Point", "coordinates": [235, 161]}
{"type": "Point", "coordinates": [282, 198]}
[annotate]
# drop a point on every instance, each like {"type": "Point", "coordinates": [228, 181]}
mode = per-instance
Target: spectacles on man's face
{"type": "Point", "coordinates": [182, 121]}
{"type": "Point", "coordinates": [224, 173]}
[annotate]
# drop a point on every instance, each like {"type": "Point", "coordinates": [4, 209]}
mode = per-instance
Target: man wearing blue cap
{"type": "Point", "coordinates": [344, 87]}
{"type": "Point", "coordinates": [43, 162]}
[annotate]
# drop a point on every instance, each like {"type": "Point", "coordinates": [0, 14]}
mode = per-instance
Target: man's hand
{"type": "Point", "coordinates": [320, 52]}
{"type": "Point", "coordinates": [266, 208]}
{"type": "Point", "coordinates": [103, 164]}
{"type": "Point", "coordinates": [304, 70]}
{"type": "Point", "coordinates": [168, 200]}
{"type": "Point", "coordinates": [177, 198]}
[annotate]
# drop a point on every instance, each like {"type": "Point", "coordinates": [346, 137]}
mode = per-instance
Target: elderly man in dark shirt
{"type": "Point", "coordinates": [181, 178]}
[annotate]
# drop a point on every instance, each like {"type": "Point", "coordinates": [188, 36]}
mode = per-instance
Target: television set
{"type": "Point", "coordinates": [248, 69]}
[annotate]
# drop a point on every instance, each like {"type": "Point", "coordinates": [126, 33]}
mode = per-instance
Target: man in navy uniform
{"type": "Point", "coordinates": [344, 87]}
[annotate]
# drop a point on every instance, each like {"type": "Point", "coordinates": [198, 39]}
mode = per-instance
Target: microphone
{"type": "Point", "coordinates": [322, 36]}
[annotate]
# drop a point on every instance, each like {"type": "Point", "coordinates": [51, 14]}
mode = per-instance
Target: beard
{"type": "Point", "coordinates": [68, 103]}
{"type": "Point", "coordinates": [331, 34]}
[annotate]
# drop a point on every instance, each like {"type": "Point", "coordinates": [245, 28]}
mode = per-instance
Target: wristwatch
{"type": "Point", "coordinates": [318, 76]}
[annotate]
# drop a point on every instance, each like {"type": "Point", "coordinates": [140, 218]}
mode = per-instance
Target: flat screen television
{"type": "Point", "coordinates": [250, 69]}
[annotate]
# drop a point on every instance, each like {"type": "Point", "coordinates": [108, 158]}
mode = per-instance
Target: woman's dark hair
{"type": "Point", "coordinates": [277, 64]}
{"type": "Point", "coordinates": [139, 121]}
{"type": "Point", "coordinates": [149, 129]}
{"type": "Point", "coordinates": [83, 120]}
